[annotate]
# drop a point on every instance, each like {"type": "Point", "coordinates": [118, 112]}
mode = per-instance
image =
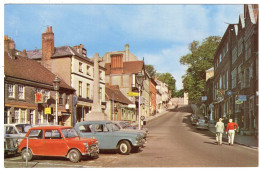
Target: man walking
{"type": "Point", "coordinates": [231, 128]}
{"type": "Point", "coordinates": [219, 131]}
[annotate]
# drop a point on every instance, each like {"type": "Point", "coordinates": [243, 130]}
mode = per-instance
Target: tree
{"type": "Point", "coordinates": [150, 70]}
{"type": "Point", "coordinates": [199, 60]}
{"type": "Point", "coordinates": [169, 80]}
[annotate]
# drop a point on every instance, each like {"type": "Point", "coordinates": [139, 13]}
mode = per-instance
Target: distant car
{"type": "Point", "coordinates": [202, 124]}
{"type": "Point", "coordinates": [57, 141]}
{"type": "Point", "coordinates": [194, 119]}
{"type": "Point", "coordinates": [110, 136]}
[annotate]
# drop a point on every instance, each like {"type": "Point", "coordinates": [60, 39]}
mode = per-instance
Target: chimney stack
{"type": "Point", "coordinates": [9, 44]}
{"type": "Point", "coordinates": [127, 52]}
{"type": "Point", "coordinates": [47, 44]}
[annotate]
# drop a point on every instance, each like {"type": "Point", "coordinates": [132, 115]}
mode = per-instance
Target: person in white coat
{"type": "Point", "coordinates": [219, 131]}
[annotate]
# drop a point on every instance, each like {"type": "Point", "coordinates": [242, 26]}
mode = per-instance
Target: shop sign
{"type": "Point", "coordinates": [242, 98]}
{"type": "Point", "coordinates": [238, 102]}
{"type": "Point", "coordinates": [133, 94]}
{"type": "Point", "coordinates": [204, 98]}
{"type": "Point", "coordinates": [47, 111]}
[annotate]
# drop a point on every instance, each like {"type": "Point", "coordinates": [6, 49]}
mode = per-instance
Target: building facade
{"type": "Point", "coordinates": [73, 66]}
{"type": "Point", "coordinates": [29, 92]}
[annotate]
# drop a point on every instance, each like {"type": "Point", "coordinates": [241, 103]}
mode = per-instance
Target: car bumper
{"type": "Point", "coordinates": [139, 143]}
{"type": "Point", "coordinates": [11, 151]}
{"type": "Point", "coordinates": [92, 151]}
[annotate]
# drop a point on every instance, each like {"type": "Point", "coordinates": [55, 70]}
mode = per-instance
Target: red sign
{"type": "Point", "coordinates": [38, 98]}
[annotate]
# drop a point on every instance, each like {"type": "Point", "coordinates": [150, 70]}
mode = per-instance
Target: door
{"type": "Point", "coordinates": [104, 136]}
{"type": "Point", "coordinates": [54, 144]}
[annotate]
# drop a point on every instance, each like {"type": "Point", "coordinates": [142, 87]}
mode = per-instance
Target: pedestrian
{"type": "Point", "coordinates": [231, 128]}
{"type": "Point", "coordinates": [219, 131]}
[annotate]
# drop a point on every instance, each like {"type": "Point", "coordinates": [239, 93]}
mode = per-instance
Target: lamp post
{"type": "Point", "coordinates": [139, 80]}
{"type": "Point", "coordinates": [56, 85]}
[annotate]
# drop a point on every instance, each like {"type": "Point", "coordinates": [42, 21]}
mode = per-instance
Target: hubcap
{"type": "Point", "coordinates": [123, 148]}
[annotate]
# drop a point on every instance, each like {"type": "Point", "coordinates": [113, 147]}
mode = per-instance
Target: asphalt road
{"type": "Point", "coordinates": [172, 142]}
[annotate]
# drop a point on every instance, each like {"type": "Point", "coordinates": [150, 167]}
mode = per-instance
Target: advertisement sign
{"type": "Point", "coordinates": [241, 97]}
{"type": "Point", "coordinates": [204, 98]}
{"type": "Point", "coordinates": [133, 94]}
{"type": "Point", "coordinates": [47, 111]}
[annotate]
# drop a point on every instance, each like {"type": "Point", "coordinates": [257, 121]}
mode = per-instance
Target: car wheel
{"type": "Point", "coordinates": [124, 147]}
{"type": "Point", "coordinates": [29, 155]}
{"type": "Point", "coordinates": [74, 156]}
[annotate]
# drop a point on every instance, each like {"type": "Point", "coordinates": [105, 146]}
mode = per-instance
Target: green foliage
{"type": "Point", "coordinates": [179, 93]}
{"type": "Point", "coordinates": [169, 80]}
{"type": "Point", "coordinates": [199, 60]}
{"type": "Point", "coordinates": [150, 70]}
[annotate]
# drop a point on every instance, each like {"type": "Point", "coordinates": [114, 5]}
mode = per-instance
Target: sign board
{"type": "Point", "coordinates": [204, 98]}
{"type": "Point", "coordinates": [242, 98]}
{"type": "Point", "coordinates": [47, 111]}
{"type": "Point", "coordinates": [142, 118]}
{"type": "Point", "coordinates": [133, 94]}
{"type": "Point", "coordinates": [229, 93]}
{"type": "Point", "coordinates": [38, 98]}
{"type": "Point", "coordinates": [131, 106]}
{"type": "Point", "coordinates": [238, 102]}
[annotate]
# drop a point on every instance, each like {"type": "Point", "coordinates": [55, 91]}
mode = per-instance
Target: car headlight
{"type": "Point", "coordinates": [86, 145]}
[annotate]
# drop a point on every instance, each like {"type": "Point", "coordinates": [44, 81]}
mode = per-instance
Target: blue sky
{"type": "Point", "coordinates": [159, 33]}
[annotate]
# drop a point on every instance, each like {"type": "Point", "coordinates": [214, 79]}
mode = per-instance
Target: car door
{"type": "Point", "coordinates": [35, 141]}
{"type": "Point", "coordinates": [104, 136]}
{"type": "Point", "coordinates": [54, 144]}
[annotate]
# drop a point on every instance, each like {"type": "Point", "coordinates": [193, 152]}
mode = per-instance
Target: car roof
{"type": "Point", "coordinates": [97, 121]}
{"type": "Point", "coordinates": [50, 127]}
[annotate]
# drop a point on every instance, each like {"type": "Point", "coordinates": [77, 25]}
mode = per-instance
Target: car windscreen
{"type": "Point", "coordinates": [69, 133]}
{"type": "Point", "coordinates": [21, 128]}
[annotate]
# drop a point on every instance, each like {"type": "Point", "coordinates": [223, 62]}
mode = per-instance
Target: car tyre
{"type": "Point", "coordinates": [74, 156]}
{"type": "Point", "coordinates": [124, 147]}
{"type": "Point", "coordinates": [29, 155]}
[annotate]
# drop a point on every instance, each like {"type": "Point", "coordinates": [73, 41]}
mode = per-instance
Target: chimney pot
{"type": "Point", "coordinates": [50, 28]}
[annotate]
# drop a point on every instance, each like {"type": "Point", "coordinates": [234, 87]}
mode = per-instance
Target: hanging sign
{"type": "Point", "coordinates": [38, 98]}
{"type": "Point", "coordinates": [133, 94]}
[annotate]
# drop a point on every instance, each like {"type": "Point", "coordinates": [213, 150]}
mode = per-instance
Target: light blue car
{"type": "Point", "coordinates": [110, 136]}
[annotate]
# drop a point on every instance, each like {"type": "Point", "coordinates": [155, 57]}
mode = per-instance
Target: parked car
{"type": "Point", "coordinates": [57, 141]}
{"type": "Point", "coordinates": [110, 136]}
{"type": "Point", "coordinates": [202, 124]}
{"type": "Point", "coordinates": [194, 119]}
{"type": "Point", "coordinates": [13, 135]}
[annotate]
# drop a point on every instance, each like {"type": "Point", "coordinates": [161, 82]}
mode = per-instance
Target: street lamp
{"type": "Point", "coordinates": [56, 85]}
{"type": "Point", "coordinates": [139, 80]}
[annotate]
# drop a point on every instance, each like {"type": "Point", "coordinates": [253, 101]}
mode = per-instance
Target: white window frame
{"type": "Point", "coordinates": [11, 90]}
{"type": "Point", "coordinates": [21, 92]}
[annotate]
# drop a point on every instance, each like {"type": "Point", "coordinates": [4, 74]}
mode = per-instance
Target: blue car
{"type": "Point", "coordinates": [110, 136]}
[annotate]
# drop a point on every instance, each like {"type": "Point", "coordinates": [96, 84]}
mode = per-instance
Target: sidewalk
{"type": "Point", "coordinates": [249, 141]}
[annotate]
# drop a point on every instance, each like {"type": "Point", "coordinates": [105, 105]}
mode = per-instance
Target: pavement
{"type": "Point", "coordinates": [246, 140]}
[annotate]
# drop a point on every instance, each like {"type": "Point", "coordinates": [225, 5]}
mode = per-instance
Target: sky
{"type": "Point", "coordinates": [159, 33]}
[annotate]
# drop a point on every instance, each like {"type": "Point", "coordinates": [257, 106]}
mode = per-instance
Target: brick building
{"type": "Point", "coordinates": [29, 91]}
{"type": "Point", "coordinates": [235, 92]}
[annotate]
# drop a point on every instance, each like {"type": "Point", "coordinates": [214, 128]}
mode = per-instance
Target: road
{"type": "Point", "coordinates": [172, 142]}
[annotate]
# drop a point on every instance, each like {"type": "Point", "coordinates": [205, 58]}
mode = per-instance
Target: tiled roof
{"type": "Point", "coordinates": [59, 51]}
{"type": "Point", "coordinates": [130, 67]}
{"type": "Point", "coordinates": [24, 68]}
{"type": "Point", "coordinates": [113, 93]}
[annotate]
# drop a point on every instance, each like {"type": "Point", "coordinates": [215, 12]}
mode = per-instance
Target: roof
{"type": "Point", "coordinates": [130, 67]}
{"type": "Point", "coordinates": [24, 68]}
{"type": "Point", "coordinates": [51, 127]}
{"type": "Point", "coordinates": [58, 52]}
{"type": "Point", "coordinates": [114, 93]}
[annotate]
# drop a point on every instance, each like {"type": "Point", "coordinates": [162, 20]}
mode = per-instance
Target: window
{"type": "Point", "coordinates": [227, 79]}
{"type": "Point", "coordinates": [16, 115]}
{"type": "Point", "coordinates": [80, 89]}
{"type": "Point", "coordinates": [100, 93]}
{"type": "Point", "coordinates": [32, 116]}
{"type": "Point", "coordinates": [23, 116]}
{"type": "Point", "coordinates": [240, 46]}
{"type": "Point", "coordinates": [61, 99]}
{"type": "Point", "coordinates": [100, 75]}
{"type": "Point", "coordinates": [234, 78]}
{"type": "Point", "coordinates": [220, 57]}
{"type": "Point", "coordinates": [11, 91]}
{"type": "Point", "coordinates": [234, 55]}
{"type": "Point", "coordinates": [88, 70]}
{"type": "Point", "coordinates": [20, 91]}
{"type": "Point", "coordinates": [100, 128]}
{"type": "Point", "coordinates": [80, 67]}
{"type": "Point", "coordinates": [52, 134]}
{"type": "Point", "coordinates": [88, 91]}
{"type": "Point", "coordinates": [35, 134]}
{"type": "Point", "coordinates": [85, 128]}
